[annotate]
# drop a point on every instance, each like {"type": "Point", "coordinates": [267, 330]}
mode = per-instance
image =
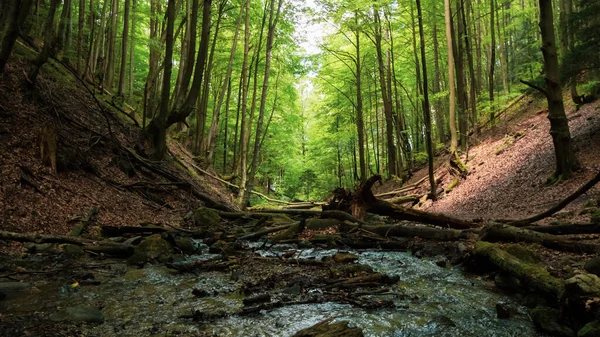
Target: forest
{"type": "Point", "coordinates": [299, 168]}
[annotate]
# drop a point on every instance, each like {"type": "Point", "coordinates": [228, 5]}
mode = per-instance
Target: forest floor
{"type": "Point", "coordinates": [509, 167]}
{"type": "Point", "coordinates": [91, 172]}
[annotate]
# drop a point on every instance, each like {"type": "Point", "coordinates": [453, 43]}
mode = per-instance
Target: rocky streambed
{"type": "Point", "coordinates": [262, 290]}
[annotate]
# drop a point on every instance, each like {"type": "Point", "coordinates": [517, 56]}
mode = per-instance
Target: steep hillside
{"type": "Point", "coordinates": [96, 163]}
{"type": "Point", "coordinates": [509, 167]}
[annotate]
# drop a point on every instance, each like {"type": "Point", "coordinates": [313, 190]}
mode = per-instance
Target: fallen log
{"type": "Point", "coordinates": [364, 201]}
{"type": "Point", "coordinates": [405, 199]}
{"type": "Point", "coordinates": [113, 231]}
{"type": "Point", "coordinates": [562, 204]}
{"type": "Point", "coordinates": [264, 232]}
{"type": "Point", "coordinates": [507, 233]}
{"type": "Point", "coordinates": [409, 231]}
{"type": "Point", "coordinates": [330, 214]}
{"type": "Point", "coordinates": [106, 247]}
{"type": "Point", "coordinates": [566, 229]}
{"type": "Point", "coordinates": [534, 275]}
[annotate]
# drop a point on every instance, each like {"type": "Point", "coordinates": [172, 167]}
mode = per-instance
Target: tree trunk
{"type": "Point", "coordinates": [439, 115]}
{"type": "Point", "coordinates": [273, 18]}
{"type": "Point", "coordinates": [132, 49]}
{"type": "Point", "coordinates": [459, 61]}
{"type": "Point", "coordinates": [123, 70]}
{"type": "Point", "coordinates": [112, 40]}
{"type": "Point", "coordinates": [80, 28]}
{"type": "Point", "coordinates": [157, 130]}
{"type": "Point", "coordinates": [92, 27]}
{"type": "Point", "coordinates": [244, 102]}
{"type": "Point", "coordinates": [214, 128]}
{"type": "Point", "coordinates": [492, 60]}
{"type": "Point", "coordinates": [473, 79]}
{"type": "Point", "coordinates": [559, 125]}
{"type": "Point", "coordinates": [15, 15]}
{"type": "Point", "coordinates": [426, 108]}
{"type": "Point", "coordinates": [452, 107]}
{"type": "Point", "coordinates": [359, 108]}
{"type": "Point", "coordinates": [49, 44]}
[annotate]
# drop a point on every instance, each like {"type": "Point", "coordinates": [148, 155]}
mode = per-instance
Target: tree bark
{"type": "Point", "coordinates": [112, 40]}
{"type": "Point", "coordinates": [49, 44]}
{"type": "Point", "coordinates": [15, 15]}
{"type": "Point", "coordinates": [451, 85]}
{"type": "Point", "coordinates": [359, 107]}
{"type": "Point", "coordinates": [123, 70]}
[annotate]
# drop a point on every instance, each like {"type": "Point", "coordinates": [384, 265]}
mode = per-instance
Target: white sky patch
{"type": "Point", "coordinates": [309, 32]}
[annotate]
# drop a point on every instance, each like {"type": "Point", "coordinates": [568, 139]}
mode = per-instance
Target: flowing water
{"type": "Point", "coordinates": [429, 301]}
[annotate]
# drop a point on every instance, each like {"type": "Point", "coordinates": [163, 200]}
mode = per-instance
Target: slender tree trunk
{"type": "Point", "coordinates": [92, 29]}
{"type": "Point", "coordinates": [273, 18]}
{"type": "Point", "coordinates": [492, 58]}
{"type": "Point", "coordinates": [226, 126]}
{"type": "Point", "coordinates": [98, 52]}
{"type": "Point", "coordinates": [214, 128]}
{"type": "Point", "coordinates": [473, 79]}
{"type": "Point", "coordinates": [49, 44]}
{"type": "Point", "coordinates": [387, 107]}
{"type": "Point", "coordinates": [153, 64]}
{"type": "Point", "coordinates": [439, 115]}
{"type": "Point", "coordinates": [112, 40]}
{"type": "Point", "coordinates": [244, 102]}
{"type": "Point", "coordinates": [16, 13]}
{"type": "Point", "coordinates": [80, 28]}
{"type": "Point", "coordinates": [426, 110]}
{"type": "Point", "coordinates": [359, 107]}
{"type": "Point", "coordinates": [502, 56]}
{"type": "Point", "coordinates": [132, 49]}
{"type": "Point", "coordinates": [459, 61]}
{"type": "Point", "coordinates": [452, 105]}
{"type": "Point", "coordinates": [566, 8]}
{"type": "Point", "coordinates": [123, 70]}
{"type": "Point", "coordinates": [188, 66]}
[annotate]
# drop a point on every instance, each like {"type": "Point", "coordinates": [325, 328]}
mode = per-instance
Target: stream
{"type": "Point", "coordinates": [428, 301]}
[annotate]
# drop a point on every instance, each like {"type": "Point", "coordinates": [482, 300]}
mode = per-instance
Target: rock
{"type": "Point", "coordinates": [327, 328]}
{"type": "Point", "coordinates": [153, 248]}
{"type": "Point", "coordinates": [591, 329]}
{"type": "Point", "coordinates": [344, 257]}
{"type": "Point", "coordinates": [206, 217]}
{"type": "Point", "coordinates": [547, 320]}
{"type": "Point", "coordinates": [294, 290]}
{"type": "Point", "coordinates": [441, 321]}
{"type": "Point", "coordinates": [462, 248]}
{"type": "Point", "coordinates": [504, 310]}
{"type": "Point", "coordinates": [593, 266]}
{"type": "Point", "coordinates": [221, 247]}
{"type": "Point", "coordinates": [508, 282]}
{"type": "Point", "coordinates": [11, 289]}
{"type": "Point", "coordinates": [186, 244]}
{"type": "Point", "coordinates": [583, 285]}
{"type": "Point", "coordinates": [443, 263]}
{"type": "Point", "coordinates": [81, 314]}
{"type": "Point", "coordinates": [304, 244]}
{"type": "Point", "coordinates": [200, 293]}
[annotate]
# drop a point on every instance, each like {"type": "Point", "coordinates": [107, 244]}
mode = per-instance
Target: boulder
{"type": "Point", "coordinates": [187, 245]}
{"type": "Point", "coordinates": [547, 320]}
{"type": "Point", "coordinates": [82, 314]}
{"type": "Point", "coordinates": [222, 247]}
{"type": "Point", "coordinates": [206, 217]}
{"type": "Point", "coordinates": [153, 248]}
{"type": "Point", "coordinates": [508, 282]}
{"type": "Point", "coordinates": [344, 257]}
{"type": "Point", "coordinates": [583, 285]}
{"type": "Point", "coordinates": [591, 329]}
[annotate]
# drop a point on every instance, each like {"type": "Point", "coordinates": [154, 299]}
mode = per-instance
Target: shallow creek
{"type": "Point", "coordinates": [429, 301]}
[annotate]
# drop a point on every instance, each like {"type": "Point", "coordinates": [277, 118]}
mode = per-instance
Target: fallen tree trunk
{"type": "Point", "coordinates": [264, 232]}
{"type": "Point", "coordinates": [562, 204]}
{"type": "Point", "coordinates": [507, 233]}
{"type": "Point", "coordinates": [330, 214]}
{"type": "Point", "coordinates": [328, 328]}
{"type": "Point", "coordinates": [566, 229]}
{"type": "Point", "coordinates": [364, 201]}
{"type": "Point", "coordinates": [409, 231]}
{"type": "Point", "coordinates": [106, 247]}
{"type": "Point", "coordinates": [535, 276]}
{"type": "Point", "coordinates": [405, 199]}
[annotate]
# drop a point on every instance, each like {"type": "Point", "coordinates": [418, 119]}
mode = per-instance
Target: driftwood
{"type": "Point", "coordinates": [562, 204]}
{"type": "Point", "coordinates": [364, 201]}
{"type": "Point", "coordinates": [507, 233]}
{"type": "Point", "coordinates": [107, 247]}
{"type": "Point", "coordinates": [534, 275]}
{"type": "Point", "coordinates": [328, 328]}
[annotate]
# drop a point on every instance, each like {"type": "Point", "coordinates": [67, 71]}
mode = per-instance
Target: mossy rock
{"type": "Point", "coordinates": [317, 224]}
{"type": "Point", "coordinates": [222, 247]}
{"type": "Point", "coordinates": [344, 257]}
{"type": "Point", "coordinates": [583, 285]}
{"type": "Point", "coordinates": [547, 320]}
{"type": "Point", "coordinates": [206, 217]}
{"type": "Point", "coordinates": [591, 329]}
{"type": "Point", "coordinates": [153, 248]}
{"type": "Point", "coordinates": [523, 253]}
{"type": "Point", "coordinates": [595, 218]}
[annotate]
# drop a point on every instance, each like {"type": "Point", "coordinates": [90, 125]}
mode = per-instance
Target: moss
{"type": "Point", "coordinates": [547, 320]}
{"type": "Point", "coordinates": [204, 216]}
{"type": "Point", "coordinates": [452, 185]}
{"type": "Point", "coordinates": [591, 329]}
{"type": "Point", "coordinates": [321, 223]}
{"type": "Point", "coordinates": [523, 253]}
{"type": "Point", "coordinates": [153, 248]}
{"type": "Point", "coordinates": [287, 234]}
{"type": "Point", "coordinates": [534, 275]}
{"type": "Point", "coordinates": [325, 238]}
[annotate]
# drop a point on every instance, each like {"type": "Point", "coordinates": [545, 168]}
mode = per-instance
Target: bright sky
{"type": "Point", "coordinates": [308, 32]}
